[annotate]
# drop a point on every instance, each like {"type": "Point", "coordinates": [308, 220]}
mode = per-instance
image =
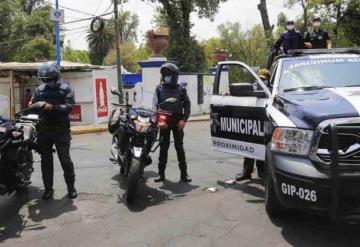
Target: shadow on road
{"type": "Point", "coordinates": [178, 189]}
{"type": "Point", "coordinates": [13, 220]}
{"type": "Point", "coordinates": [41, 210]}
{"type": "Point", "coordinates": [305, 229]}
{"type": "Point", "coordinates": [147, 196]}
{"type": "Point", "coordinates": [253, 187]}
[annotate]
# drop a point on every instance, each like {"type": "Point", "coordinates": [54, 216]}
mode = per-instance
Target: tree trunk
{"type": "Point", "coordinates": [338, 19]}
{"type": "Point", "coordinates": [304, 29]}
{"type": "Point", "coordinates": [262, 7]}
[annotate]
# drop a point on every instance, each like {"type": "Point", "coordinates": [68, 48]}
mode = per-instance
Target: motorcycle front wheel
{"type": "Point", "coordinates": [133, 181]}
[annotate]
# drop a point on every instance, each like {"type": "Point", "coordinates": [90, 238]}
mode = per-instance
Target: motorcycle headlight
{"type": "Point", "coordinates": [141, 127]}
{"type": "Point", "coordinates": [292, 141]}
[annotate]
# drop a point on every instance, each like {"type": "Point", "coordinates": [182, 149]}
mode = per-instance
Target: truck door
{"type": "Point", "coordinates": [238, 111]}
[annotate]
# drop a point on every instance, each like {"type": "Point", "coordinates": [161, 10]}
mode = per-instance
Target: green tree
{"type": "Point", "coordinates": [102, 41]}
{"type": "Point", "coordinates": [128, 25]}
{"type": "Point", "coordinates": [209, 47]}
{"type": "Point", "coordinates": [22, 22]}
{"type": "Point", "coordinates": [350, 24]}
{"type": "Point", "coordinates": [76, 56]}
{"type": "Point", "coordinates": [262, 7]}
{"type": "Point", "coordinates": [248, 46]}
{"type": "Point", "coordinates": [29, 6]}
{"type": "Point", "coordinates": [183, 46]}
{"type": "Point", "coordinates": [37, 49]}
{"type": "Point", "coordinates": [130, 55]}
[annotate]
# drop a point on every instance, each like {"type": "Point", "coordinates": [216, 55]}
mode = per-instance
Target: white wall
{"type": "Point", "coordinates": [5, 97]}
{"type": "Point", "coordinates": [151, 78]}
{"type": "Point", "coordinates": [81, 83]}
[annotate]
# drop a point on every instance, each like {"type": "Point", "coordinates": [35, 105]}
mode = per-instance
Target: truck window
{"type": "Point", "coordinates": [240, 82]}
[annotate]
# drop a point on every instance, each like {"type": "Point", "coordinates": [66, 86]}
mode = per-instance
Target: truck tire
{"type": "Point", "coordinates": [133, 181]}
{"type": "Point", "coordinates": [272, 204]}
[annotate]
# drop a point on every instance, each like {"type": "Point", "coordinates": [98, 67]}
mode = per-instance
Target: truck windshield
{"type": "Point", "coordinates": [320, 72]}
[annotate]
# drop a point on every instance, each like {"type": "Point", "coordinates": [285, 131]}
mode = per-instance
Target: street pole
{"type": "Point", "coordinates": [117, 47]}
{"type": "Point", "coordinates": [57, 31]}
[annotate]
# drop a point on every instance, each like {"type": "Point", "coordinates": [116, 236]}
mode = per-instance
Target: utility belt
{"type": "Point", "coordinates": [52, 128]}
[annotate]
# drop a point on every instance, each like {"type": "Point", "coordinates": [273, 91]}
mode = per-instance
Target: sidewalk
{"type": "Point", "coordinates": [95, 128]}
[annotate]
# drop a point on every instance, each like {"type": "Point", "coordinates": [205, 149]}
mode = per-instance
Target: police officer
{"type": "Point", "coordinates": [180, 110]}
{"type": "Point", "coordinates": [264, 75]}
{"type": "Point", "coordinates": [248, 168]}
{"type": "Point", "coordinates": [317, 38]}
{"type": "Point", "coordinates": [291, 39]}
{"type": "Point", "coordinates": [55, 127]}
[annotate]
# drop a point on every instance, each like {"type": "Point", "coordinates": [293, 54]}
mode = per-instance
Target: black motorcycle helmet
{"type": "Point", "coordinates": [49, 73]}
{"type": "Point", "coordinates": [169, 74]}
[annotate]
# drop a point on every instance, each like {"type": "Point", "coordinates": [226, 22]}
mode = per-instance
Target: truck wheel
{"type": "Point", "coordinates": [272, 204]}
{"type": "Point", "coordinates": [133, 181]}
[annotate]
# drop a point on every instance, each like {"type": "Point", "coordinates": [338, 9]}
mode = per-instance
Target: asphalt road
{"type": "Point", "coordinates": [169, 214]}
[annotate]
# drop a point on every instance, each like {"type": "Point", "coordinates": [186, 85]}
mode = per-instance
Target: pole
{"type": "Point", "coordinates": [117, 47]}
{"type": "Point", "coordinates": [57, 30]}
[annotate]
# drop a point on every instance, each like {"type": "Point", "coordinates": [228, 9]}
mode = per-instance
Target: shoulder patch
{"type": "Point", "coordinates": [64, 86]}
{"type": "Point", "coordinates": [42, 87]}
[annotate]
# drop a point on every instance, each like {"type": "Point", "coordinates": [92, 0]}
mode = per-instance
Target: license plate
{"type": "Point", "coordinates": [137, 152]}
{"type": "Point", "coordinates": [299, 192]}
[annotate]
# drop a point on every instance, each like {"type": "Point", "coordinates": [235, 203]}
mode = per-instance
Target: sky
{"type": "Point", "coordinates": [243, 11]}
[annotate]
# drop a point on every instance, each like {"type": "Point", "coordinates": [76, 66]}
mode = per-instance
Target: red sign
{"type": "Point", "coordinates": [75, 115]}
{"type": "Point", "coordinates": [101, 98]}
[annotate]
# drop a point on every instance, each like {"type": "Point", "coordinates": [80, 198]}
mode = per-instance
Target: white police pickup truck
{"type": "Point", "coordinates": [305, 125]}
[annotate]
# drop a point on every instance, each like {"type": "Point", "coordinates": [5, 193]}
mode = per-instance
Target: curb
{"type": "Point", "coordinates": [104, 128]}
{"type": "Point", "coordinates": [88, 130]}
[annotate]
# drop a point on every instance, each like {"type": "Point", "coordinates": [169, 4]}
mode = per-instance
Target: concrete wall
{"type": "Point", "coordinates": [5, 95]}
{"type": "Point", "coordinates": [151, 77]}
{"type": "Point", "coordinates": [82, 84]}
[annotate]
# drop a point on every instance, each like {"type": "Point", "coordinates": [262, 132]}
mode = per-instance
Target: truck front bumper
{"type": "Point", "coordinates": [299, 184]}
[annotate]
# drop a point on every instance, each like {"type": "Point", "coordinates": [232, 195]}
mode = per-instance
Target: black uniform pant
{"type": "Point", "coordinates": [62, 141]}
{"type": "Point", "coordinates": [179, 146]}
{"type": "Point", "coordinates": [249, 166]}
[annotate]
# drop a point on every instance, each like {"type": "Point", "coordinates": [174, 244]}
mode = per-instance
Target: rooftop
{"type": "Point", "coordinates": [65, 66]}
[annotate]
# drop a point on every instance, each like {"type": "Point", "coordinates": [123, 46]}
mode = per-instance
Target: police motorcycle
{"type": "Point", "coordinates": [17, 140]}
{"type": "Point", "coordinates": [135, 132]}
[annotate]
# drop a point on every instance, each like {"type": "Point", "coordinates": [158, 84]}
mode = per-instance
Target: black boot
{"type": "Point", "coordinates": [248, 169]}
{"type": "Point", "coordinates": [243, 176]}
{"type": "Point", "coordinates": [185, 178]}
{"type": "Point", "coordinates": [72, 193]}
{"type": "Point", "coordinates": [48, 194]}
{"type": "Point", "coordinates": [161, 177]}
{"type": "Point", "coordinates": [184, 175]}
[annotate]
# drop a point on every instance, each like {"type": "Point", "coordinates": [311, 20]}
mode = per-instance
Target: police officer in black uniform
{"type": "Point", "coordinates": [317, 38]}
{"type": "Point", "coordinates": [55, 127]}
{"type": "Point", "coordinates": [291, 39]}
{"type": "Point", "coordinates": [180, 110]}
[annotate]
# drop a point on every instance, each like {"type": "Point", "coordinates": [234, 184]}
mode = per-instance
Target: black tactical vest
{"type": "Point", "coordinates": [171, 91]}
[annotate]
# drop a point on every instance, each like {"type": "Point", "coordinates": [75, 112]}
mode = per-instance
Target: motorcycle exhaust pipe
{"type": "Point", "coordinates": [3, 189]}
